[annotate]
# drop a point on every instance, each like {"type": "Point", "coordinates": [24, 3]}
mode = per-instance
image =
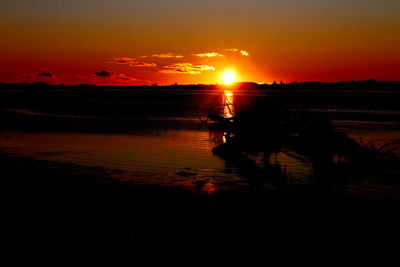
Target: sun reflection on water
{"type": "Point", "coordinates": [228, 102]}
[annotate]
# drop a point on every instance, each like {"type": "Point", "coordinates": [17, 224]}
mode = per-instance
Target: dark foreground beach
{"type": "Point", "coordinates": [68, 209]}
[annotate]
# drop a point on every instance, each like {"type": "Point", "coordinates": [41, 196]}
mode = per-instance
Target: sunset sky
{"type": "Point", "coordinates": [136, 42]}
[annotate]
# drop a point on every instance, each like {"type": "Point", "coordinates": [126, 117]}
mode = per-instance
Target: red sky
{"type": "Point", "coordinates": [145, 42]}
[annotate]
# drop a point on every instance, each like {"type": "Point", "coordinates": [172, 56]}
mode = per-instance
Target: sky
{"type": "Point", "coordinates": [132, 42]}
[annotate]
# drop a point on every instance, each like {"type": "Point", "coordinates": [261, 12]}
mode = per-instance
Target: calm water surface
{"type": "Point", "coordinates": [178, 153]}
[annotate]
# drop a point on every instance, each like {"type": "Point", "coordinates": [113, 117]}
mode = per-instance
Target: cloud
{"type": "Point", "coordinates": [124, 77]}
{"type": "Point", "coordinates": [211, 54]}
{"type": "Point", "coordinates": [46, 74]}
{"type": "Point", "coordinates": [236, 50]}
{"type": "Point", "coordinates": [123, 60]}
{"type": "Point", "coordinates": [141, 64]}
{"type": "Point", "coordinates": [104, 73]}
{"type": "Point", "coordinates": [34, 77]}
{"type": "Point", "coordinates": [132, 62]}
{"type": "Point", "coordinates": [167, 55]}
{"type": "Point", "coordinates": [244, 53]}
{"type": "Point", "coordinates": [116, 77]}
{"type": "Point", "coordinates": [185, 68]}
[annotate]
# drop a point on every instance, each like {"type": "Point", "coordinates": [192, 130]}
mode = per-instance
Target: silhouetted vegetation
{"type": "Point", "coordinates": [267, 126]}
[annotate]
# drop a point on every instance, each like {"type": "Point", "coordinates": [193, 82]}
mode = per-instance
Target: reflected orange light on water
{"type": "Point", "coordinates": [228, 102]}
{"type": "Point", "coordinates": [165, 158]}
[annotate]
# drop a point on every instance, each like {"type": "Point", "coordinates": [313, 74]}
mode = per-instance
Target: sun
{"type": "Point", "coordinates": [228, 77]}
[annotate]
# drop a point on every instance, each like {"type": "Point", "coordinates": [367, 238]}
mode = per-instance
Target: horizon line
{"type": "Point", "coordinates": [203, 84]}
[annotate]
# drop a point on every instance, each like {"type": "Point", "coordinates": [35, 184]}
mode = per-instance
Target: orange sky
{"type": "Point", "coordinates": [145, 42]}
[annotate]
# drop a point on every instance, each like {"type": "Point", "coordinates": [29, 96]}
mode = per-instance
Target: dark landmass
{"type": "Point", "coordinates": [368, 85]}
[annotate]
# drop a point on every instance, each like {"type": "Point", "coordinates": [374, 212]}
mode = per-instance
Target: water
{"type": "Point", "coordinates": [146, 138]}
{"type": "Point", "coordinates": [156, 137]}
{"type": "Point", "coordinates": [173, 157]}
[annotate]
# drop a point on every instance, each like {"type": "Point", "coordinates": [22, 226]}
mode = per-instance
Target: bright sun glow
{"type": "Point", "coordinates": [228, 77]}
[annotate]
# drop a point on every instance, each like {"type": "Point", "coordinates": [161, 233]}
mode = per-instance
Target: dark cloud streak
{"type": "Point", "coordinates": [46, 74]}
{"type": "Point", "coordinates": [103, 73]}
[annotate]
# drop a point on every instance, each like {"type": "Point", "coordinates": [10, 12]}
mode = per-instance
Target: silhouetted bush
{"type": "Point", "coordinates": [266, 126]}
